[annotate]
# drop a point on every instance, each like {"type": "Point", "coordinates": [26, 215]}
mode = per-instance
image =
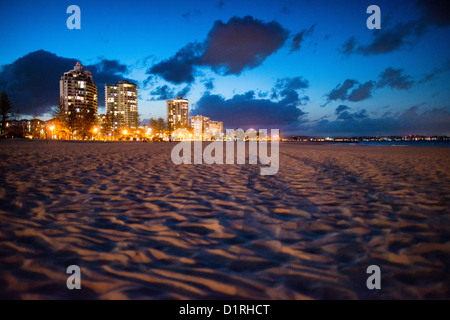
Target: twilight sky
{"type": "Point", "coordinates": [305, 67]}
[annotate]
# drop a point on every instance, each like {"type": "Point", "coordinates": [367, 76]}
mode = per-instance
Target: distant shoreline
{"type": "Point", "coordinates": [421, 143]}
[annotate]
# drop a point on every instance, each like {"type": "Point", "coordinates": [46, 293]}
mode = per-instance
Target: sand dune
{"type": "Point", "coordinates": [141, 227]}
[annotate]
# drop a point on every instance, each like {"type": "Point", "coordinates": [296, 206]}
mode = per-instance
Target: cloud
{"type": "Point", "coordinates": [354, 91]}
{"type": "Point", "coordinates": [411, 121]}
{"type": "Point", "coordinates": [109, 67]}
{"type": "Point", "coordinates": [166, 93]}
{"type": "Point", "coordinates": [263, 94]}
{"type": "Point", "coordinates": [340, 92]}
{"type": "Point", "coordinates": [348, 47]}
{"type": "Point", "coordinates": [395, 79]}
{"type": "Point", "coordinates": [245, 111]}
{"type": "Point", "coordinates": [106, 72]}
{"type": "Point", "coordinates": [362, 92]}
{"type": "Point", "coordinates": [255, 110]}
{"type": "Point", "coordinates": [290, 86]}
{"type": "Point", "coordinates": [162, 93]}
{"type": "Point", "coordinates": [230, 48]}
{"type": "Point", "coordinates": [434, 13]}
{"type": "Point", "coordinates": [385, 40]}
{"type": "Point", "coordinates": [347, 115]}
{"type": "Point", "coordinates": [436, 71]}
{"type": "Point", "coordinates": [341, 108]}
{"type": "Point", "coordinates": [190, 14]}
{"type": "Point", "coordinates": [209, 84]}
{"type": "Point", "coordinates": [184, 92]}
{"type": "Point", "coordinates": [296, 83]}
{"type": "Point", "coordinates": [300, 37]}
{"type": "Point", "coordinates": [241, 43]}
{"type": "Point", "coordinates": [181, 67]}
{"type": "Point", "coordinates": [32, 81]}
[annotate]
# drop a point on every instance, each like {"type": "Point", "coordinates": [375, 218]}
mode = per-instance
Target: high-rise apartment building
{"type": "Point", "coordinates": [121, 101]}
{"type": "Point", "coordinates": [78, 90]}
{"type": "Point", "coordinates": [202, 124]}
{"type": "Point", "coordinates": [199, 124]}
{"type": "Point", "coordinates": [216, 126]}
{"type": "Point", "coordinates": [177, 113]}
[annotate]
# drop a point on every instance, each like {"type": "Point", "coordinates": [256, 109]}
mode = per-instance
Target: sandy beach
{"type": "Point", "coordinates": [140, 227]}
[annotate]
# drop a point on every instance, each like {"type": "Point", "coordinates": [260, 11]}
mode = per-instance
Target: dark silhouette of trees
{"type": "Point", "coordinates": [135, 120]}
{"type": "Point", "coordinates": [113, 123]}
{"type": "Point", "coordinates": [157, 125]}
{"type": "Point", "coordinates": [86, 122]}
{"type": "Point", "coordinates": [60, 115]}
{"type": "Point", "coordinates": [80, 121]}
{"type": "Point", "coordinates": [5, 110]}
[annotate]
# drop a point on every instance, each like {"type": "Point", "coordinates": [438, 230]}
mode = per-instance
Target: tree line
{"type": "Point", "coordinates": [5, 110]}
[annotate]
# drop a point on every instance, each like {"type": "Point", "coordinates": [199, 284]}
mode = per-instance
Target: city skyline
{"type": "Point", "coordinates": [305, 68]}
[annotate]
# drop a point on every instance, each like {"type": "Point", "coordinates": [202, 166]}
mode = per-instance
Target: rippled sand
{"type": "Point", "coordinates": [141, 227]}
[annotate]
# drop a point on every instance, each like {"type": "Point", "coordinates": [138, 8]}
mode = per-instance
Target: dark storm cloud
{"type": "Point", "coordinates": [32, 81]}
{"type": "Point", "coordinates": [245, 111]}
{"type": "Point", "coordinates": [411, 121]}
{"type": "Point", "coordinates": [300, 37]}
{"type": "Point", "coordinates": [434, 13]}
{"type": "Point", "coordinates": [107, 66]}
{"type": "Point", "coordinates": [241, 43]}
{"type": "Point", "coordinates": [395, 79]}
{"type": "Point", "coordinates": [107, 71]}
{"type": "Point", "coordinates": [230, 48]}
{"type": "Point", "coordinates": [181, 67]}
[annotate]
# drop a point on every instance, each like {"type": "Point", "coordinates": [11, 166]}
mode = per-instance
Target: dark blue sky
{"type": "Point", "coordinates": [306, 67]}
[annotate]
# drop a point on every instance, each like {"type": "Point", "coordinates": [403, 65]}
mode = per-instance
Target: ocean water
{"type": "Point", "coordinates": [401, 143]}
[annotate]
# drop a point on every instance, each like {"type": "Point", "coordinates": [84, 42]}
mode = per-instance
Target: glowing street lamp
{"type": "Point", "coordinates": [51, 129]}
